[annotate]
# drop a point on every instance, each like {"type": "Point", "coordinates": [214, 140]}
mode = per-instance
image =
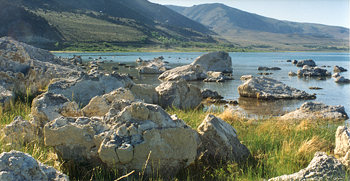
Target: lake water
{"type": "Point", "coordinates": [247, 64]}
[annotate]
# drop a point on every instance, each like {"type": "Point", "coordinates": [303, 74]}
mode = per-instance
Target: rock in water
{"type": "Point", "coordinates": [219, 141]}
{"type": "Point", "coordinates": [15, 165]}
{"type": "Point", "coordinates": [179, 94]}
{"type": "Point", "coordinates": [321, 167]}
{"type": "Point", "coordinates": [339, 69]}
{"type": "Point", "coordinates": [197, 70]}
{"type": "Point", "coordinates": [186, 72]}
{"type": "Point", "coordinates": [308, 62]}
{"type": "Point", "coordinates": [310, 71]}
{"type": "Point", "coordinates": [316, 110]}
{"type": "Point", "coordinates": [128, 136]}
{"type": "Point", "coordinates": [341, 79]}
{"type": "Point", "coordinates": [215, 61]}
{"type": "Point", "coordinates": [268, 88]}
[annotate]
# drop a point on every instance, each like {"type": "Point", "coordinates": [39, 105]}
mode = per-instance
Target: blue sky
{"type": "Point", "coordinates": [328, 12]}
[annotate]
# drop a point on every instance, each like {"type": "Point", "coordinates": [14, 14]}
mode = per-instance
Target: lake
{"type": "Point", "coordinates": [247, 64]}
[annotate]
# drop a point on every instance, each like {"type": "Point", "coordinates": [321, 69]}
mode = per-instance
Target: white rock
{"type": "Point", "coordinates": [316, 110]}
{"type": "Point", "coordinates": [179, 94]}
{"type": "Point", "coordinates": [268, 88]}
{"type": "Point", "coordinates": [15, 165]}
{"type": "Point", "coordinates": [219, 141]}
{"type": "Point", "coordinates": [321, 167]}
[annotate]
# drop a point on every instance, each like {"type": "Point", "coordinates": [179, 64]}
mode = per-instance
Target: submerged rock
{"type": "Point", "coordinates": [268, 68]}
{"type": "Point", "coordinates": [316, 110]}
{"type": "Point", "coordinates": [321, 167]}
{"type": "Point", "coordinates": [268, 88]}
{"type": "Point", "coordinates": [15, 165]}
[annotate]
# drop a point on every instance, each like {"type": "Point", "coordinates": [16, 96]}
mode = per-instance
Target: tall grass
{"type": "Point", "coordinates": [277, 147]}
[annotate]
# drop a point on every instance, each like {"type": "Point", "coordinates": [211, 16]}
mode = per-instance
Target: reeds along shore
{"type": "Point", "coordinates": [277, 147]}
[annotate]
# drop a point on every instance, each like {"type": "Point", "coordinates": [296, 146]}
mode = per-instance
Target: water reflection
{"type": "Point", "coordinates": [267, 107]}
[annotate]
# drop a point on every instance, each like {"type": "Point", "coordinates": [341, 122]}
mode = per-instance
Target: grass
{"type": "Point", "coordinates": [277, 147]}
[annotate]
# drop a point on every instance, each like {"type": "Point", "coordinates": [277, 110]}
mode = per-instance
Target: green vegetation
{"type": "Point", "coordinates": [276, 147]}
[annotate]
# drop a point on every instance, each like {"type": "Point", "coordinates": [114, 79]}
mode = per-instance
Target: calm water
{"type": "Point", "coordinates": [245, 64]}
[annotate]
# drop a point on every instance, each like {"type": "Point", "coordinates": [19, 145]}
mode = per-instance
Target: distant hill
{"type": "Point", "coordinates": [247, 28]}
{"type": "Point", "coordinates": [26, 26]}
{"type": "Point", "coordinates": [122, 21]}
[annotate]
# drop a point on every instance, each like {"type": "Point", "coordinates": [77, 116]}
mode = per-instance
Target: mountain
{"type": "Point", "coordinates": [121, 21]}
{"type": "Point", "coordinates": [247, 28]}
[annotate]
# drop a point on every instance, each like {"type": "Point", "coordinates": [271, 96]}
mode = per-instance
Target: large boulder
{"type": "Point", "coordinates": [87, 86]}
{"type": "Point", "coordinates": [179, 94]}
{"type": "Point", "coordinates": [100, 105]}
{"type": "Point", "coordinates": [128, 136]}
{"type": "Point", "coordinates": [19, 131]}
{"type": "Point", "coordinates": [186, 72]}
{"type": "Point", "coordinates": [197, 70]}
{"type": "Point", "coordinates": [316, 110]}
{"type": "Point", "coordinates": [342, 144]}
{"type": "Point", "coordinates": [308, 71]}
{"type": "Point", "coordinates": [15, 165]}
{"type": "Point", "coordinates": [219, 141]}
{"type": "Point", "coordinates": [308, 62]}
{"type": "Point", "coordinates": [5, 95]}
{"type": "Point", "coordinates": [146, 93]}
{"type": "Point", "coordinates": [49, 106]}
{"type": "Point", "coordinates": [321, 167]}
{"type": "Point", "coordinates": [339, 69]}
{"type": "Point", "coordinates": [24, 67]}
{"type": "Point", "coordinates": [155, 66]}
{"type": "Point", "coordinates": [268, 88]}
{"type": "Point", "coordinates": [215, 61]}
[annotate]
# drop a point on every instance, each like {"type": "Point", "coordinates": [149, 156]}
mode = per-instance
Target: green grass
{"type": "Point", "coordinates": [276, 147]}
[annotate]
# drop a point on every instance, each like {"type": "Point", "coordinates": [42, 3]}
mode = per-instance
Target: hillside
{"type": "Point", "coordinates": [125, 22]}
{"type": "Point", "coordinates": [251, 29]}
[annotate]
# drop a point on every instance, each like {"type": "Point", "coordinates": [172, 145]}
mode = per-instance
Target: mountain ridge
{"type": "Point", "coordinates": [244, 27]}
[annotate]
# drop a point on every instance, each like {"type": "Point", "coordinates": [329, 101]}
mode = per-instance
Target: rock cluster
{"type": "Point", "coordinates": [308, 71]}
{"type": "Point", "coordinates": [25, 67]}
{"type": "Point", "coordinates": [15, 165]}
{"type": "Point", "coordinates": [155, 66]}
{"type": "Point", "coordinates": [316, 110]}
{"type": "Point", "coordinates": [321, 167]}
{"type": "Point", "coordinates": [216, 77]}
{"type": "Point", "coordinates": [308, 62]}
{"type": "Point", "coordinates": [341, 79]}
{"type": "Point", "coordinates": [268, 88]}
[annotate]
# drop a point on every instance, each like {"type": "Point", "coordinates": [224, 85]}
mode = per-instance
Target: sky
{"type": "Point", "coordinates": [327, 12]}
